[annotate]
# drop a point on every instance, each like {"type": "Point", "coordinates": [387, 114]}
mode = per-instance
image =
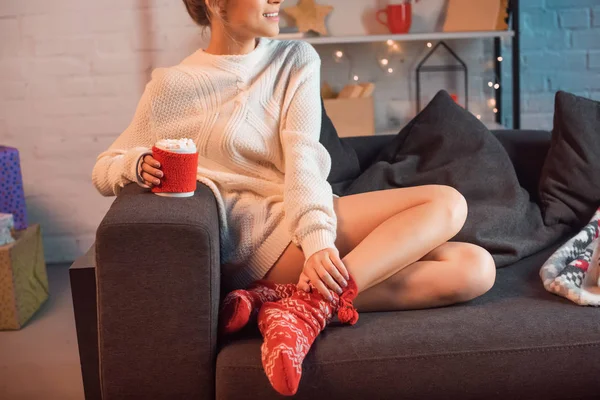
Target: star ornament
{"type": "Point", "coordinates": [309, 16]}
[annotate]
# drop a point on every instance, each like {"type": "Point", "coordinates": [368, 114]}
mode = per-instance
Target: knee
{"type": "Point", "coordinates": [477, 273]}
{"type": "Point", "coordinates": [453, 205]}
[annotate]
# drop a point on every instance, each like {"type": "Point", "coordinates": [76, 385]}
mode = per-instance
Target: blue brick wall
{"type": "Point", "coordinates": [560, 50]}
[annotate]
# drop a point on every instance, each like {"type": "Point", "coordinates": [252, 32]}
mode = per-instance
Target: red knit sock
{"type": "Point", "coordinates": [240, 306]}
{"type": "Point", "coordinates": [291, 325]}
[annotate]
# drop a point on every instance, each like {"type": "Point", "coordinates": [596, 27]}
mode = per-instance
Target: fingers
{"type": "Point", "coordinates": [324, 271]}
{"type": "Point", "coordinates": [149, 179]}
{"type": "Point", "coordinates": [150, 171]}
{"type": "Point", "coordinates": [316, 281]}
{"type": "Point", "coordinates": [148, 159]}
{"type": "Point", "coordinates": [329, 281]}
{"type": "Point", "coordinates": [335, 273]}
{"type": "Point", "coordinates": [303, 283]}
{"type": "Point", "coordinates": [340, 268]}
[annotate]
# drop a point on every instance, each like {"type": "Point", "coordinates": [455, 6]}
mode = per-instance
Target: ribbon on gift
{"type": "Point", "coordinates": [6, 226]}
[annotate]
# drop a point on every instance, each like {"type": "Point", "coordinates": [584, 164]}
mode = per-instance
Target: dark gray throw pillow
{"type": "Point", "coordinates": [569, 186]}
{"type": "Point", "coordinates": [344, 161]}
{"type": "Point", "coordinates": [445, 144]}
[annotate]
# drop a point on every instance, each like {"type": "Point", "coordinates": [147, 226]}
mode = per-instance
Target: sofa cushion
{"type": "Point", "coordinates": [447, 145]}
{"type": "Point", "coordinates": [570, 183]}
{"type": "Point", "coordinates": [527, 150]}
{"type": "Point", "coordinates": [517, 341]}
{"type": "Point", "coordinates": [344, 161]}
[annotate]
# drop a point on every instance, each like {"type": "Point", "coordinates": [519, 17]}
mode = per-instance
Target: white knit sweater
{"type": "Point", "coordinates": [256, 121]}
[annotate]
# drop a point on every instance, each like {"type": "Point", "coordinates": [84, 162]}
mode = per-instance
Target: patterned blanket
{"type": "Point", "coordinates": [573, 270]}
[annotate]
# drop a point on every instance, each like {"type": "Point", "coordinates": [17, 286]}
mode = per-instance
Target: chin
{"type": "Point", "coordinates": [269, 32]}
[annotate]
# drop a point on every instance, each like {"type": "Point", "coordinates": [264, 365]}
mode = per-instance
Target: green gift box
{"type": "Point", "coordinates": [23, 278]}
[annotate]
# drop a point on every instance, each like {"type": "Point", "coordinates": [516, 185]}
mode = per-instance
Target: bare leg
{"type": "Point", "coordinates": [403, 239]}
{"type": "Point", "coordinates": [452, 273]}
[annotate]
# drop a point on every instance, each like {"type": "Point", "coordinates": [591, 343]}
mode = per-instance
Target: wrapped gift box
{"type": "Point", "coordinates": [12, 196]}
{"type": "Point", "coordinates": [23, 278]}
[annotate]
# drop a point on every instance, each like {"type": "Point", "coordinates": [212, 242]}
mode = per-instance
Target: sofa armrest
{"type": "Point", "coordinates": [527, 150]}
{"type": "Point", "coordinates": [158, 280]}
{"type": "Point", "coordinates": [82, 274]}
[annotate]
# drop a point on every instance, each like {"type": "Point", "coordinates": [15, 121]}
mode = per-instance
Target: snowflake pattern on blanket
{"type": "Point", "coordinates": [565, 272]}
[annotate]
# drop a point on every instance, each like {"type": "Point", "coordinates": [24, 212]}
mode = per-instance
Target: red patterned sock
{"type": "Point", "coordinates": [240, 306]}
{"type": "Point", "coordinates": [291, 325]}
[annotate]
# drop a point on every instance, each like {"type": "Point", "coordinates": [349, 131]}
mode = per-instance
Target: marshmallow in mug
{"type": "Point", "coordinates": [184, 145]}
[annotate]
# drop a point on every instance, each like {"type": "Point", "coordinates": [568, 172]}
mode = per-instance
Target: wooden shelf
{"type": "Point", "coordinates": [431, 36]}
{"type": "Point", "coordinates": [401, 38]}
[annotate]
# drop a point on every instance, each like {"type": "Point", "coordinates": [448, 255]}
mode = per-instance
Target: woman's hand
{"type": "Point", "coordinates": [324, 270]}
{"type": "Point", "coordinates": [150, 172]}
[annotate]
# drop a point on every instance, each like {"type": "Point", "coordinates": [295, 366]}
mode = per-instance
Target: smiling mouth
{"type": "Point", "coordinates": [271, 15]}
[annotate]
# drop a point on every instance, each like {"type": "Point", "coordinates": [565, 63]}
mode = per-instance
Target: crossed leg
{"type": "Point", "coordinates": [395, 243]}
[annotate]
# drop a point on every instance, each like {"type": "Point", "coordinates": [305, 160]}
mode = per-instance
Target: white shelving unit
{"type": "Point", "coordinates": [408, 37]}
{"type": "Point", "coordinates": [401, 38]}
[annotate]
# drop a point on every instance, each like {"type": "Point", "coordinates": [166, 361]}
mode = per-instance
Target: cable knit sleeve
{"type": "Point", "coordinates": [308, 197]}
{"type": "Point", "coordinates": [164, 111]}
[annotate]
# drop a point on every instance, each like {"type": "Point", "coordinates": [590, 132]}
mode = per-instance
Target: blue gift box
{"type": "Point", "coordinates": [12, 196]}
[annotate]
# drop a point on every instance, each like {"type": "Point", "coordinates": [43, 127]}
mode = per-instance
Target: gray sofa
{"type": "Point", "coordinates": [146, 300]}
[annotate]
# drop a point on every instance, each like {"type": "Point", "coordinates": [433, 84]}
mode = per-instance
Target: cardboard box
{"type": "Point", "coordinates": [23, 278]}
{"type": "Point", "coordinates": [352, 117]}
{"type": "Point", "coordinates": [480, 15]}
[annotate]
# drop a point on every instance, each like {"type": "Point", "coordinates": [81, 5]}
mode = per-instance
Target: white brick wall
{"type": "Point", "coordinates": [72, 72]}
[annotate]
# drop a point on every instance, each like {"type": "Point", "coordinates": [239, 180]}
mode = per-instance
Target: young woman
{"type": "Point", "coordinates": [294, 253]}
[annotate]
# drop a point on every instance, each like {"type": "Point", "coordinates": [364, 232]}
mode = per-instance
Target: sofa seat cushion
{"type": "Point", "coordinates": [517, 341]}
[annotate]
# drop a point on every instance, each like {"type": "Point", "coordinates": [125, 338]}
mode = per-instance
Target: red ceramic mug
{"type": "Point", "coordinates": [398, 17]}
{"type": "Point", "coordinates": [179, 167]}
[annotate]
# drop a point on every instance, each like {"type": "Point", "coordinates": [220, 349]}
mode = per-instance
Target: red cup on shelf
{"type": "Point", "coordinates": [179, 167]}
{"type": "Point", "coordinates": [397, 17]}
